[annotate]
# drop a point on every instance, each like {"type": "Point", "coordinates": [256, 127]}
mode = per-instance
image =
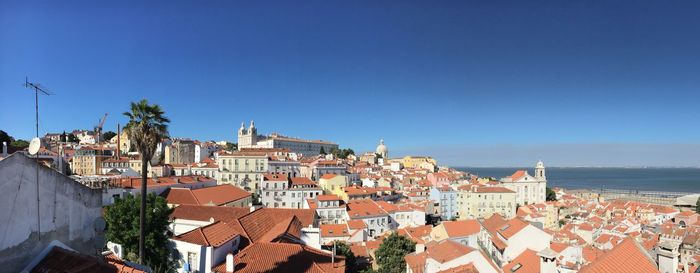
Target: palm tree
{"type": "Point", "coordinates": [146, 128]}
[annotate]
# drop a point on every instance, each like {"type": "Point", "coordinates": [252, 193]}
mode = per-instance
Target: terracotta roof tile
{"type": "Point", "coordinates": [283, 258]}
{"type": "Point", "coordinates": [461, 228]}
{"type": "Point", "coordinates": [59, 260]}
{"type": "Point", "coordinates": [526, 262]}
{"type": "Point", "coordinates": [627, 257]}
{"type": "Point", "coordinates": [215, 234]}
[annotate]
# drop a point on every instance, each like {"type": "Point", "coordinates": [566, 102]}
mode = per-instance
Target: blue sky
{"type": "Point", "coordinates": [476, 83]}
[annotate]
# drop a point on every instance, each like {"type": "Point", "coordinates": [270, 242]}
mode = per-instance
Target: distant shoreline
{"type": "Point", "coordinates": [681, 180]}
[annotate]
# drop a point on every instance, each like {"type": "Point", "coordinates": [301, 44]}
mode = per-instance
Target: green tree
{"type": "Point", "coordinates": [123, 228]}
{"type": "Point", "coordinates": [551, 195]}
{"type": "Point", "coordinates": [72, 138]}
{"type": "Point", "coordinates": [343, 249]}
{"type": "Point", "coordinates": [231, 146]}
{"type": "Point", "coordinates": [391, 253]}
{"type": "Point", "coordinates": [107, 136]}
{"type": "Point", "coordinates": [19, 145]}
{"type": "Point", "coordinates": [147, 127]}
{"type": "Point", "coordinates": [697, 205]}
{"type": "Point", "coordinates": [336, 152]}
{"type": "Point", "coordinates": [323, 151]}
{"type": "Point", "coordinates": [4, 137]}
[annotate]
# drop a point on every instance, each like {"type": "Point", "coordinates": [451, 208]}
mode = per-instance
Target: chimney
{"type": "Point", "coordinates": [229, 262]}
{"type": "Point", "coordinates": [252, 208]}
{"type": "Point", "coordinates": [4, 149]}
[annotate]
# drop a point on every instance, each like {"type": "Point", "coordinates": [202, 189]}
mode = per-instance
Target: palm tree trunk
{"type": "Point", "coordinates": [142, 219]}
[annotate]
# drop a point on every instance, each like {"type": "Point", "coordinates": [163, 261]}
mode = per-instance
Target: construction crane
{"type": "Point", "coordinates": [98, 129]}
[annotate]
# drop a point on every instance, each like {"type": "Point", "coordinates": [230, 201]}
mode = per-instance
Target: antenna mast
{"type": "Point", "coordinates": [37, 89]}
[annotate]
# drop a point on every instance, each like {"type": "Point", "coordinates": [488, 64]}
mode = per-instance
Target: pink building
{"type": "Point", "coordinates": [439, 179]}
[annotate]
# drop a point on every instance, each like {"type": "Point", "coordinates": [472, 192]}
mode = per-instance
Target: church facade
{"type": "Point", "coordinates": [529, 189]}
{"type": "Point", "coordinates": [249, 138]}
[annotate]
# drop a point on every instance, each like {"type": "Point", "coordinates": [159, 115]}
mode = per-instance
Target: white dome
{"type": "Point", "coordinates": [381, 148]}
{"type": "Point", "coordinates": [539, 164]}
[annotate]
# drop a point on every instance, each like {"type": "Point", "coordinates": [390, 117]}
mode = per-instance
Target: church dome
{"type": "Point", "coordinates": [381, 148]}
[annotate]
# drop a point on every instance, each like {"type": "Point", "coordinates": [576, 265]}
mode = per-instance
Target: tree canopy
{"type": "Point", "coordinates": [231, 146]}
{"type": "Point", "coordinates": [147, 127]}
{"type": "Point", "coordinates": [697, 205]}
{"type": "Point", "coordinates": [551, 195]}
{"type": "Point", "coordinates": [391, 253]}
{"type": "Point", "coordinates": [343, 249]}
{"type": "Point", "coordinates": [123, 228]}
{"type": "Point", "coordinates": [107, 136]}
{"type": "Point", "coordinates": [342, 153]}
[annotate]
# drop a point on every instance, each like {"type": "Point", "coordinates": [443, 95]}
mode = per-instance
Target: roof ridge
{"type": "Point", "coordinates": [204, 236]}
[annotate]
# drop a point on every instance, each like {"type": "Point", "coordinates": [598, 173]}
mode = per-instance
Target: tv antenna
{"type": "Point", "coordinates": [36, 143]}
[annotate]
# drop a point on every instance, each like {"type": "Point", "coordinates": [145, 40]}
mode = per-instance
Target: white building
{"type": "Point", "coordinates": [448, 256]}
{"type": "Point", "coordinates": [205, 247]}
{"type": "Point", "coordinates": [280, 191]}
{"type": "Point", "coordinates": [375, 218]}
{"type": "Point", "coordinates": [249, 138]}
{"type": "Point", "coordinates": [529, 189]}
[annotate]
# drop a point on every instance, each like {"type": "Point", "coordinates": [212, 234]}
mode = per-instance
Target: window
{"type": "Point", "coordinates": [192, 261]}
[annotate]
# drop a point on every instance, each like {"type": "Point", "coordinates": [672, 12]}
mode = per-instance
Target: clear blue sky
{"type": "Point", "coordinates": [470, 82]}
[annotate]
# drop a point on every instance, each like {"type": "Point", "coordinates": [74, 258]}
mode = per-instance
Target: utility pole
{"type": "Point", "coordinates": [37, 89]}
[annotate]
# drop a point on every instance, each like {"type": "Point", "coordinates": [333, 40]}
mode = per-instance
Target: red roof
{"type": "Point", "coordinates": [518, 174]}
{"type": "Point", "coordinates": [512, 227]}
{"type": "Point", "coordinates": [328, 176]}
{"type": "Point", "coordinates": [334, 230]}
{"type": "Point", "coordinates": [365, 208]}
{"type": "Point", "coordinates": [446, 250]}
{"type": "Point", "coordinates": [526, 262]}
{"type": "Point", "coordinates": [214, 235]}
{"type": "Point", "coordinates": [627, 257]}
{"type": "Point", "coordinates": [216, 195]}
{"type": "Point", "coordinates": [283, 258]}
{"type": "Point", "coordinates": [328, 197]}
{"type": "Point", "coordinates": [204, 213]}
{"type": "Point", "coordinates": [63, 260]}
{"type": "Point", "coordinates": [461, 228]}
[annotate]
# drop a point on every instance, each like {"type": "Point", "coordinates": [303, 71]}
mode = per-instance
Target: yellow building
{"type": "Point", "coordinates": [88, 161]}
{"type": "Point", "coordinates": [481, 202]}
{"type": "Point", "coordinates": [417, 161]}
{"type": "Point", "coordinates": [333, 183]}
{"type": "Point", "coordinates": [124, 142]}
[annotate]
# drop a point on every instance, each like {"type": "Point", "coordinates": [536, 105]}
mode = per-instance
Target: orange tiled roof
{"type": "Point", "coordinates": [518, 174]}
{"type": "Point", "coordinates": [204, 213]}
{"type": "Point", "coordinates": [512, 227]}
{"type": "Point", "coordinates": [283, 257]}
{"type": "Point", "coordinates": [216, 195]}
{"type": "Point", "coordinates": [526, 262]}
{"type": "Point", "coordinates": [328, 197]}
{"type": "Point", "coordinates": [356, 224]}
{"type": "Point", "coordinates": [465, 268]}
{"type": "Point", "coordinates": [59, 259]}
{"type": "Point", "coordinates": [215, 235]}
{"type": "Point", "coordinates": [461, 228]}
{"type": "Point", "coordinates": [365, 208]}
{"type": "Point", "coordinates": [334, 230]}
{"type": "Point", "coordinates": [627, 257]}
{"type": "Point", "coordinates": [446, 250]}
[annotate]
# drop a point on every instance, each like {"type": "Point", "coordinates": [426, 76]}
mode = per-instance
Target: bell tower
{"type": "Point", "coordinates": [539, 171]}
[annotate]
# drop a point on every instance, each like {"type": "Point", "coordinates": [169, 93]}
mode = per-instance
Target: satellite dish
{"type": "Point", "coordinates": [34, 146]}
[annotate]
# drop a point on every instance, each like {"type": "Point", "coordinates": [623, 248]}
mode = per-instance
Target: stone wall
{"type": "Point", "coordinates": [67, 211]}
